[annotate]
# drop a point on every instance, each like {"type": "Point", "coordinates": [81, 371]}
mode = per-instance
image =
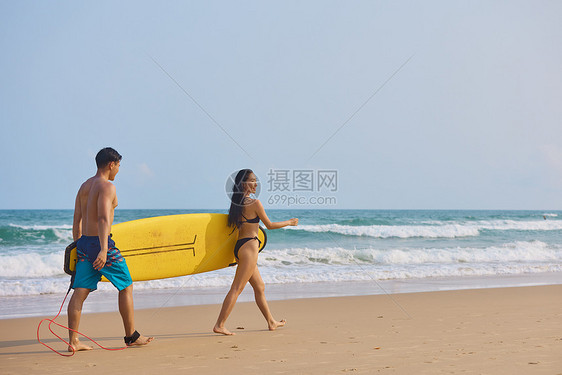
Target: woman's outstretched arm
{"type": "Point", "coordinates": [260, 211]}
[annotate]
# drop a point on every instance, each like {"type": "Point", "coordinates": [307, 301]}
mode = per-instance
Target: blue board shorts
{"type": "Point", "coordinates": [115, 269]}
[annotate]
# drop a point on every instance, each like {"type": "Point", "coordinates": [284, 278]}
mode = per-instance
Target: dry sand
{"type": "Point", "coordinates": [485, 331]}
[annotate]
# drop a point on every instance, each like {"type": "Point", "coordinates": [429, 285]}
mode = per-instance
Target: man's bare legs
{"type": "Point", "coordinates": [126, 309]}
{"type": "Point", "coordinates": [74, 313]}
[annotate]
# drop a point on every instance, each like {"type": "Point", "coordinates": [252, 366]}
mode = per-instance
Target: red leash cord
{"type": "Point", "coordinates": [52, 321]}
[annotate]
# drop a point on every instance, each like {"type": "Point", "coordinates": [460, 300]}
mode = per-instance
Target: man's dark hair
{"type": "Point", "coordinates": [106, 156]}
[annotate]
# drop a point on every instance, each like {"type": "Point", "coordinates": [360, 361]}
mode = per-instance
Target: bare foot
{"type": "Point", "coordinates": [223, 331]}
{"type": "Point", "coordinates": [276, 324]}
{"type": "Point", "coordinates": [78, 347]}
{"type": "Point", "coordinates": [142, 340]}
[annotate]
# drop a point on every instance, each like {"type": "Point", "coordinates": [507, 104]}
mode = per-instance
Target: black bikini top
{"type": "Point", "coordinates": [252, 221]}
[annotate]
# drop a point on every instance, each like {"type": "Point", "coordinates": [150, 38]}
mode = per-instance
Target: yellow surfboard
{"type": "Point", "coordinates": [171, 246]}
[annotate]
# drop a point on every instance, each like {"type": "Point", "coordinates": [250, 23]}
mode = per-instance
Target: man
{"type": "Point", "coordinates": [97, 255]}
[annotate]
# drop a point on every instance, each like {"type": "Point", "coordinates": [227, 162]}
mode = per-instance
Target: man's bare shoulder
{"type": "Point", "coordinates": [96, 184]}
{"type": "Point", "coordinates": [86, 185]}
{"type": "Point", "coordinates": [105, 186]}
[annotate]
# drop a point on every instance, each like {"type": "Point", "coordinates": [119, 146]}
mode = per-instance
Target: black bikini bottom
{"type": "Point", "coordinates": [242, 241]}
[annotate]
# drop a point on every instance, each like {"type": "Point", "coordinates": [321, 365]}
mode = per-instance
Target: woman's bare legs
{"type": "Point", "coordinates": [247, 263]}
{"type": "Point", "coordinates": [259, 293]}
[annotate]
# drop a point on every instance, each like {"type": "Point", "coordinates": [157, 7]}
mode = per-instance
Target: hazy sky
{"type": "Point", "coordinates": [471, 116]}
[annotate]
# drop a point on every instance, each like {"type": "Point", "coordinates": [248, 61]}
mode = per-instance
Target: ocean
{"type": "Point", "coordinates": [331, 252]}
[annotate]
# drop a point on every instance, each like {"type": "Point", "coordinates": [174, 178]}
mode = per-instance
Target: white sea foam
{"type": "Point", "coordinates": [519, 251]}
{"type": "Point", "coordinates": [433, 229]}
{"type": "Point", "coordinates": [388, 231]}
{"type": "Point", "coordinates": [30, 265]}
{"type": "Point", "coordinates": [33, 273]}
{"type": "Point", "coordinates": [40, 227]}
{"type": "Point", "coordinates": [23, 287]}
{"type": "Point", "coordinates": [292, 274]}
{"type": "Point", "coordinates": [534, 225]}
{"type": "Point", "coordinates": [35, 265]}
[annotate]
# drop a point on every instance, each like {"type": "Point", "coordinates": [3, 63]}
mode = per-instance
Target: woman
{"type": "Point", "coordinates": [246, 213]}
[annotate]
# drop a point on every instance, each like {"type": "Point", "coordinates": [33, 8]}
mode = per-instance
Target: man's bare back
{"type": "Point", "coordinates": [94, 209]}
{"type": "Point", "coordinates": [89, 199]}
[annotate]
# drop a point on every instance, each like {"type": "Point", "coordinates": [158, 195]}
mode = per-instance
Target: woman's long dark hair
{"type": "Point", "coordinates": [237, 198]}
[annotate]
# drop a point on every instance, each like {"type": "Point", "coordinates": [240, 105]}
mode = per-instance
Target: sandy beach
{"type": "Point", "coordinates": [483, 331]}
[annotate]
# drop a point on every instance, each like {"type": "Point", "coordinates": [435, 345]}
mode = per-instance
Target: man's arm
{"type": "Point", "coordinates": [77, 222]}
{"type": "Point", "coordinates": [105, 206]}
